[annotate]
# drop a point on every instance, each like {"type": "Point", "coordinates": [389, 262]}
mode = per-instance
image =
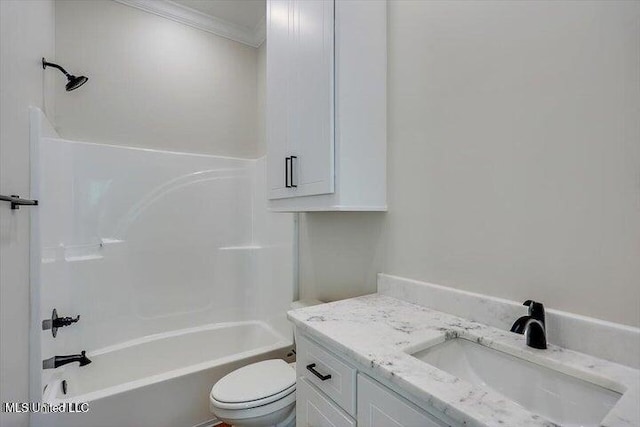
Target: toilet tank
{"type": "Point", "coordinates": [301, 304]}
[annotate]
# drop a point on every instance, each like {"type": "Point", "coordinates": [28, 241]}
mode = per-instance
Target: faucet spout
{"type": "Point", "coordinates": [57, 361]}
{"type": "Point", "coordinates": [518, 325]}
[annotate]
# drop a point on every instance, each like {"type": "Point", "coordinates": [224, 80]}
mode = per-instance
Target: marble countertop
{"type": "Point", "coordinates": [378, 332]}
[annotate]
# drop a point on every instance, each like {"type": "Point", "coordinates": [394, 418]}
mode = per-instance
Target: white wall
{"type": "Point", "coordinates": [27, 32]}
{"type": "Point", "coordinates": [154, 82]}
{"type": "Point", "coordinates": [514, 159]}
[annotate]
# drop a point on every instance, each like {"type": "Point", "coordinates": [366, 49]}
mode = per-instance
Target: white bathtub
{"type": "Point", "coordinates": [161, 380]}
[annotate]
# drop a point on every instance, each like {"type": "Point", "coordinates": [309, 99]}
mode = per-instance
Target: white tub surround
{"type": "Point", "coordinates": [177, 269]}
{"type": "Point", "coordinates": [378, 333]}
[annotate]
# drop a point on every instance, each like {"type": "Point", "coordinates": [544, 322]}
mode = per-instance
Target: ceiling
{"type": "Point", "coordinates": [245, 13]}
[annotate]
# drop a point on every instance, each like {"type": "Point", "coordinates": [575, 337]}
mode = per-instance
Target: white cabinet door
{"type": "Point", "coordinates": [312, 116]}
{"type": "Point", "coordinates": [279, 15]}
{"type": "Point", "coordinates": [300, 92]}
{"type": "Point", "coordinates": [380, 407]}
{"type": "Point", "coordinates": [313, 409]}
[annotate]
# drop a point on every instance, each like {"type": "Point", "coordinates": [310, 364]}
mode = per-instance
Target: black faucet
{"type": "Point", "coordinates": [57, 361]}
{"type": "Point", "coordinates": [532, 326]}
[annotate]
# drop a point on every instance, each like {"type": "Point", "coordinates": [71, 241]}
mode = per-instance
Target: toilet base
{"type": "Point", "coordinates": [286, 414]}
{"type": "Point", "coordinates": [290, 421]}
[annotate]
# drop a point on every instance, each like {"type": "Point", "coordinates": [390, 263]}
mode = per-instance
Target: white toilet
{"type": "Point", "coordinates": [257, 395]}
{"type": "Point", "coordinates": [262, 394]}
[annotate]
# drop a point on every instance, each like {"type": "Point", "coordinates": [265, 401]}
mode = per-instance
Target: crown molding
{"type": "Point", "coordinates": [253, 37]}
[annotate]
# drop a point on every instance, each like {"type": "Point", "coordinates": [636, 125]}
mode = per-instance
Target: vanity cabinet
{"type": "Point", "coordinates": [333, 392]}
{"type": "Point", "coordinates": [326, 105]}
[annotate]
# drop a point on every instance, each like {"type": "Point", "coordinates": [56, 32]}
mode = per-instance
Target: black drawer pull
{"type": "Point", "coordinates": [311, 369]}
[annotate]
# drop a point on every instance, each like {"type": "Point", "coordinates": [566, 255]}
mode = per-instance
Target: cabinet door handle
{"type": "Point", "coordinates": [311, 368]}
{"type": "Point", "coordinates": [287, 167]}
{"type": "Point", "coordinates": [291, 171]}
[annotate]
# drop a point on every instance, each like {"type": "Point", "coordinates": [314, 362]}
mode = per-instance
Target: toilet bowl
{"type": "Point", "coordinates": [258, 395]}
{"type": "Point", "coordinates": [262, 394]}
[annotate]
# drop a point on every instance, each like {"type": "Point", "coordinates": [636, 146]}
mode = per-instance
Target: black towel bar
{"type": "Point", "coordinates": [16, 201]}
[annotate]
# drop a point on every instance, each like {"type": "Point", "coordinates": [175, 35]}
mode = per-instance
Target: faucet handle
{"type": "Point", "coordinates": [65, 321]}
{"type": "Point", "coordinates": [536, 310]}
{"type": "Point", "coordinates": [58, 322]}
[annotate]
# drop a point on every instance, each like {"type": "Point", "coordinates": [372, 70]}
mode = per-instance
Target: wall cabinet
{"type": "Point", "coordinates": [326, 105]}
{"type": "Point", "coordinates": [332, 392]}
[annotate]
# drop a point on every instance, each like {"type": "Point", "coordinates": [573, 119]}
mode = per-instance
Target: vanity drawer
{"type": "Point", "coordinates": [331, 375]}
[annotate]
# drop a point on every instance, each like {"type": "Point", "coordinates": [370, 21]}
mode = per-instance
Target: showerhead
{"type": "Point", "coordinates": [73, 81]}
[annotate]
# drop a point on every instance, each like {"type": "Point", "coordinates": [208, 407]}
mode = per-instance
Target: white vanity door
{"type": "Point", "coordinates": [314, 409]}
{"type": "Point", "coordinates": [380, 407]}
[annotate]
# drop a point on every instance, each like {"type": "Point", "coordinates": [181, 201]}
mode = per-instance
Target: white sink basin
{"type": "Point", "coordinates": [559, 397]}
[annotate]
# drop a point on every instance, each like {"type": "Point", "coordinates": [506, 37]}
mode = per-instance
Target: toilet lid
{"type": "Point", "coordinates": [254, 382]}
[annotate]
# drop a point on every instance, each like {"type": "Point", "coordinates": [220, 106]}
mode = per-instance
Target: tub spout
{"type": "Point", "coordinates": [57, 361]}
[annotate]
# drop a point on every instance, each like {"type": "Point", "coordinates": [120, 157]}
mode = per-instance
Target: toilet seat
{"type": "Point", "coordinates": [254, 385]}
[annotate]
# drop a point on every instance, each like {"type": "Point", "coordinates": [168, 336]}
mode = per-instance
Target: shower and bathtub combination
{"type": "Point", "coordinates": [176, 268]}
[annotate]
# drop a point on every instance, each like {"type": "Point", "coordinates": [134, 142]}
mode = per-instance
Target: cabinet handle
{"type": "Point", "coordinates": [311, 368]}
{"type": "Point", "coordinates": [291, 167]}
{"type": "Point", "coordinates": [287, 167]}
